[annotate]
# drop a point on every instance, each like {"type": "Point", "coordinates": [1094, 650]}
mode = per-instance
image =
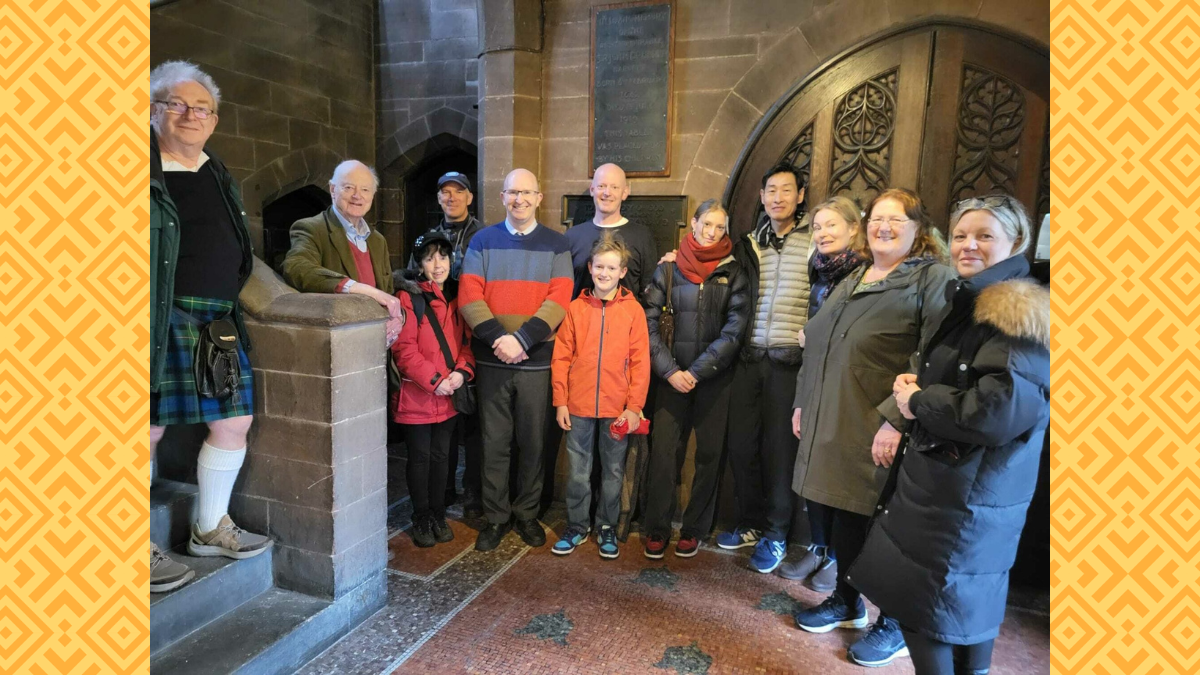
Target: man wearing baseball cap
{"type": "Point", "coordinates": [454, 196]}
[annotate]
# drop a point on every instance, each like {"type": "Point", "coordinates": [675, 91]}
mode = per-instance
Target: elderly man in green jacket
{"type": "Point", "coordinates": [336, 251]}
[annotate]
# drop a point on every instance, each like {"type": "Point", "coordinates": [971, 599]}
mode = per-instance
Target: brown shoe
{"type": "Point", "coordinates": [167, 574]}
{"type": "Point", "coordinates": [228, 540]}
{"type": "Point", "coordinates": [825, 580]}
{"type": "Point", "coordinates": [802, 568]}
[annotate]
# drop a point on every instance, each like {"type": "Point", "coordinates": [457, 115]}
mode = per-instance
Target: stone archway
{"type": "Point", "coordinates": [832, 33]}
{"type": "Point", "coordinates": [312, 165]}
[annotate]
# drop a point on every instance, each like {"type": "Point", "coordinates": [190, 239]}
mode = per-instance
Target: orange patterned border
{"type": "Point", "coordinates": [73, 336]}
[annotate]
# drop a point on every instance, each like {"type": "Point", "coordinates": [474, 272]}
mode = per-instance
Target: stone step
{"type": "Point", "coordinates": [220, 586]}
{"type": "Point", "coordinates": [276, 632]}
{"type": "Point", "coordinates": [171, 505]}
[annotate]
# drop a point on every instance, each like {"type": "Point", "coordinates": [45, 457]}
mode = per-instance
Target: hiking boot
{"type": "Point", "coordinates": [422, 531]}
{"type": "Point", "coordinates": [490, 536]}
{"type": "Point", "coordinates": [607, 539]}
{"type": "Point", "coordinates": [882, 643]}
{"type": "Point", "coordinates": [655, 547]}
{"type": "Point", "coordinates": [686, 547]}
{"type": "Point", "coordinates": [805, 566]}
{"type": "Point", "coordinates": [531, 532]}
{"type": "Point", "coordinates": [833, 613]}
{"type": "Point", "coordinates": [825, 580]}
{"type": "Point", "coordinates": [571, 539]}
{"type": "Point", "coordinates": [739, 538]}
{"type": "Point", "coordinates": [167, 574]}
{"type": "Point", "coordinates": [768, 554]}
{"type": "Point", "coordinates": [228, 540]}
{"type": "Point", "coordinates": [441, 530]}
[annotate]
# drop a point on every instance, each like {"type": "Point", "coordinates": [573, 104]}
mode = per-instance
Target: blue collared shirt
{"type": "Point", "coordinates": [359, 240]}
{"type": "Point", "coordinates": [513, 230]}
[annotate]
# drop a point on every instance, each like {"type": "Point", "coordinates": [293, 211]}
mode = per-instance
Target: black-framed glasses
{"type": "Point", "coordinates": [181, 108]}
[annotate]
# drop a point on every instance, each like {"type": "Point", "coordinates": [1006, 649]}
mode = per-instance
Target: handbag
{"type": "Point", "coordinates": [463, 398]}
{"type": "Point", "coordinates": [666, 322]}
{"type": "Point", "coordinates": [215, 365]}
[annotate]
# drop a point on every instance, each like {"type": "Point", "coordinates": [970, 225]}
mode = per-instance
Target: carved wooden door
{"type": "Point", "coordinates": [948, 111]}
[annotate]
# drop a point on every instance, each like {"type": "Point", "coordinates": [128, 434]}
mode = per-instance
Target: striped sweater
{"type": "Point", "coordinates": [518, 285]}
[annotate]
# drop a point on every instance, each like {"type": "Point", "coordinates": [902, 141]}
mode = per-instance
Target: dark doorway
{"type": "Point", "coordinates": [279, 215]}
{"type": "Point", "coordinates": [420, 190]}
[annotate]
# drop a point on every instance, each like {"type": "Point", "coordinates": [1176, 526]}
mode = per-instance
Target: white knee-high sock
{"type": "Point", "coordinates": [216, 471]}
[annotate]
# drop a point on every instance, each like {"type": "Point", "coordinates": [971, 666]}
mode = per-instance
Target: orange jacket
{"type": "Point", "coordinates": [601, 363]}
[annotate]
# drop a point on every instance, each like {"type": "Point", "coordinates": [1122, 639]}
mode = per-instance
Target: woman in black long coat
{"type": "Point", "coordinates": [938, 555]}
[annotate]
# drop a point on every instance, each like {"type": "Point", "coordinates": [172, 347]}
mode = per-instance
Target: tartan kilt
{"type": "Point", "coordinates": [177, 401]}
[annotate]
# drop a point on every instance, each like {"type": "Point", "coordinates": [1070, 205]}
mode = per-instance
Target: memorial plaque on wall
{"type": "Point", "coordinates": [632, 52]}
{"type": "Point", "coordinates": [664, 215]}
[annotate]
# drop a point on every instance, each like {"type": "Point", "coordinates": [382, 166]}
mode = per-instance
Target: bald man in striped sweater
{"type": "Point", "coordinates": [514, 290]}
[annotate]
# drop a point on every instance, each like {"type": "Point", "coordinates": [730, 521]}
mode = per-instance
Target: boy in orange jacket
{"type": "Point", "coordinates": [601, 373]}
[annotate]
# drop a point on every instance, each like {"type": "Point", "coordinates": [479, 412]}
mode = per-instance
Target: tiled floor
{"type": "Point", "coordinates": [521, 610]}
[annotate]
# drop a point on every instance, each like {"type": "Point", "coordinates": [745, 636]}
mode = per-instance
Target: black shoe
{"type": "Point", "coordinates": [472, 510]}
{"type": "Point", "coordinates": [490, 536]}
{"type": "Point", "coordinates": [531, 532]}
{"type": "Point", "coordinates": [441, 531]}
{"type": "Point", "coordinates": [422, 531]}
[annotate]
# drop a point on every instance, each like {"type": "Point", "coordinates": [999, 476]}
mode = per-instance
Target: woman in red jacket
{"type": "Point", "coordinates": [423, 403]}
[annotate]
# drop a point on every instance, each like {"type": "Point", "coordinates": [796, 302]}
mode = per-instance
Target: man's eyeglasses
{"type": "Point", "coordinates": [349, 190]}
{"type": "Point", "coordinates": [181, 108]}
{"type": "Point", "coordinates": [513, 194]}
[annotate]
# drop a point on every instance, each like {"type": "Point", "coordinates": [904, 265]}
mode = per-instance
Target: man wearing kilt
{"type": "Point", "coordinates": [200, 258]}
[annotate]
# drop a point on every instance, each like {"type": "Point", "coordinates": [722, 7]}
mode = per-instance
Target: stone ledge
{"type": "Point", "coordinates": [267, 298]}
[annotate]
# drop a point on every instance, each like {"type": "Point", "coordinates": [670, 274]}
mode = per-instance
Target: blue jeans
{"type": "Point", "coordinates": [579, 461]}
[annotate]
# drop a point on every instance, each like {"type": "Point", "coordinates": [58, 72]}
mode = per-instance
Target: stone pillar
{"type": "Point", "coordinates": [315, 476]}
{"type": "Point", "coordinates": [510, 95]}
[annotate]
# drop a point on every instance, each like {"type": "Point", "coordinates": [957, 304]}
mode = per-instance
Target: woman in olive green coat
{"type": "Point", "coordinates": [863, 337]}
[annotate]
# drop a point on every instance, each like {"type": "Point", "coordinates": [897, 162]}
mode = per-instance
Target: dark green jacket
{"type": "Point", "coordinates": [320, 256]}
{"type": "Point", "coordinates": [164, 253]}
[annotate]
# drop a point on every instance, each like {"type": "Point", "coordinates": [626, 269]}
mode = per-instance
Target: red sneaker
{"type": "Point", "coordinates": [655, 547]}
{"type": "Point", "coordinates": [686, 547]}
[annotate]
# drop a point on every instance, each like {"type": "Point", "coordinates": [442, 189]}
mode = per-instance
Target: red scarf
{"type": "Point", "coordinates": [697, 262]}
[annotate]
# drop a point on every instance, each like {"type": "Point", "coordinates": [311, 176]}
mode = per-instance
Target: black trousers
{"type": "Point", "coordinates": [428, 448]}
{"type": "Point", "coordinates": [512, 403]}
{"type": "Point", "coordinates": [705, 409]}
{"type": "Point", "coordinates": [469, 435]}
{"type": "Point", "coordinates": [762, 448]}
{"type": "Point", "coordinates": [849, 536]}
{"type": "Point", "coordinates": [931, 657]}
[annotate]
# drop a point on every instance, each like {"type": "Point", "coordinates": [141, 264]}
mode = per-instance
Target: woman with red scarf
{"type": "Point", "coordinates": [697, 309]}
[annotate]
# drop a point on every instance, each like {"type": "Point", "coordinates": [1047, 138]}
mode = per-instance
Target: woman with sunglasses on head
{"type": "Point", "coordinates": [938, 556]}
{"type": "Point", "coordinates": [864, 335]}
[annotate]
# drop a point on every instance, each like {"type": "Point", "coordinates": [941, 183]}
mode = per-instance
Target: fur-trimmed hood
{"type": "Point", "coordinates": [1018, 307]}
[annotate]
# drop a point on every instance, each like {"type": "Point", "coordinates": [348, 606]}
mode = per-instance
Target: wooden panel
{"type": "Point", "coordinates": [941, 139]}
{"type": "Point", "coordinates": [910, 113]}
{"type": "Point", "coordinates": [822, 153]}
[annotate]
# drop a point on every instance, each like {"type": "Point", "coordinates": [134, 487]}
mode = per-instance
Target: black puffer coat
{"type": "Point", "coordinates": [710, 319]}
{"type": "Point", "coordinates": [937, 556]}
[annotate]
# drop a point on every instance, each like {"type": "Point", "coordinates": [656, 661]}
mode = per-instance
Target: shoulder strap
{"type": "Point", "coordinates": [418, 303]}
{"type": "Point", "coordinates": [441, 338]}
{"type": "Point", "coordinates": [670, 272]}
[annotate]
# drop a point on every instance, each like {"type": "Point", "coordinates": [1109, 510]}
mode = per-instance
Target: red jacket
{"type": "Point", "coordinates": [420, 360]}
{"type": "Point", "coordinates": [601, 363]}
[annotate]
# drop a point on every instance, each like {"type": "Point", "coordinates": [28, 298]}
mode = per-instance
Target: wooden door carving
{"type": "Point", "coordinates": [949, 111]}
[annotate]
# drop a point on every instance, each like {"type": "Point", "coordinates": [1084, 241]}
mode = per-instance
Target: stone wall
{"type": "Point", "coordinates": [733, 60]}
{"type": "Point", "coordinates": [427, 53]}
{"type": "Point", "coordinates": [297, 84]}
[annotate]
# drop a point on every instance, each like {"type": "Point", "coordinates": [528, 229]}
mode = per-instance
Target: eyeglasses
{"type": "Point", "coordinates": [513, 194]}
{"type": "Point", "coordinates": [894, 221]}
{"type": "Point", "coordinates": [181, 108]}
{"type": "Point", "coordinates": [349, 190]}
{"type": "Point", "coordinates": [990, 200]}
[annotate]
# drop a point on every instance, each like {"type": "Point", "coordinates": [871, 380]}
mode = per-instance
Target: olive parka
{"type": "Point", "coordinates": [938, 552]}
{"type": "Point", "coordinates": [855, 346]}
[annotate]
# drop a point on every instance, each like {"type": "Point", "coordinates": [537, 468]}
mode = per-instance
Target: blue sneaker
{"type": "Point", "coordinates": [767, 555]}
{"type": "Point", "coordinates": [607, 539]}
{"type": "Point", "coordinates": [833, 613]}
{"type": "Point", "coordinates": [573, 537]}
{"type": "Point", "coordinates": [739, 538]}
{"type": "Point", "coordinates": [882, 643]}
